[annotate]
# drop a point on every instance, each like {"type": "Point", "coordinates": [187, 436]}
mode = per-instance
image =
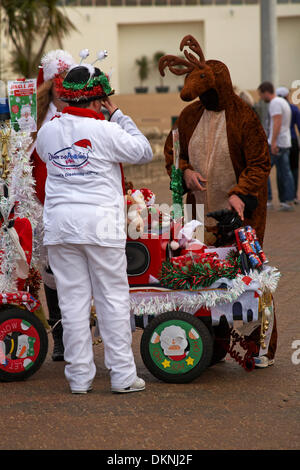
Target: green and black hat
{"type": "Point", "coordinates": [84, 83]}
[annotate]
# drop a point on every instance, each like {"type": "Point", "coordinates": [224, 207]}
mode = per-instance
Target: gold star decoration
{"type": "Point", "coordinates": [166, 363]}
{"type": "Point", "coordinates": [190, 361]}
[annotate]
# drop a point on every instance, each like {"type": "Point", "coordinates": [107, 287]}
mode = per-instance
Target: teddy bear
{"type": "Point", "coordinates": [136, 205]}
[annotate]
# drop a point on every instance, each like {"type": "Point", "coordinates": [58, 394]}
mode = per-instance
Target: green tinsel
{"type": "Point", "coordinates": [99, 80]}
{"type": "Point", "coordinates": [199, 275]}
{"type": "Point", "coordinates": [177, 192]}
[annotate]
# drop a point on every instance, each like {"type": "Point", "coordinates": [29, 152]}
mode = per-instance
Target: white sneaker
{"type": "Point", "coordinates": [137, 386]}
{"type": "Point", "coordinates": [285, 206]}
{"type": "Point", "coordinates": [270, 205]}
{"type": "Point", "coordinates": [262, 362]}
{"type": "Point", "coordinates": [82, 392]}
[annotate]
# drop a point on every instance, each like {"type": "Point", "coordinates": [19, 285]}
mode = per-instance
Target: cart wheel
{"type": "Point", "coordinates": [176, 347]}
{"type": "Point", "coordinates": [221, 335]}
{"type": "Point", "coordinates": [23, 344]}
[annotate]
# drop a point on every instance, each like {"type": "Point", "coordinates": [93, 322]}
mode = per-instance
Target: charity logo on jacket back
{"type": "Point", "coordinates": [73, 157]}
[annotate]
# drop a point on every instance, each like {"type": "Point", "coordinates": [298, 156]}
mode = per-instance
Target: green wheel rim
{"type": "Point", "coordinates": [182, 360]}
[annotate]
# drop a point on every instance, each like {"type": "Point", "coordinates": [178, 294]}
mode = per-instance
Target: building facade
{"type": "Point", "coordinates": [228, 30]}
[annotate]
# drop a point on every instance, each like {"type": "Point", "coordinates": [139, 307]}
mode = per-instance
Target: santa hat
{"type": "Point", "coordinates": [149, 196]}
{"type": "Point", "coordinates": [83, 144]}
{"type": "Point", "coordinates": [54, 63]}
{"type": "Point", "coordinates": [84, 82]}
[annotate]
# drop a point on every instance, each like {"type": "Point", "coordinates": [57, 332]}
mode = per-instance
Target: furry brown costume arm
{"type": "Point", "coordinates": [254, 167]}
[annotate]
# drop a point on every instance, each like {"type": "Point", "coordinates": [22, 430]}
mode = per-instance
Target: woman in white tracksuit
{"type": "Point", "coordinates": [85, 225]}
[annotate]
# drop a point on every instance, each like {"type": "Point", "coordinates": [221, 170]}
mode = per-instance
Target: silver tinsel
{"type": "Point", "coordinates": [154, 303]}
{"type": "Point", "coordinates": [20, 184]}
{"type": "Point", "coordinates": [7, 250]}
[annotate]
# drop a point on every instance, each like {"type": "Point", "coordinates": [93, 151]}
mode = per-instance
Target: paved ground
{"type": "Point", "coordinates": [225, 408]}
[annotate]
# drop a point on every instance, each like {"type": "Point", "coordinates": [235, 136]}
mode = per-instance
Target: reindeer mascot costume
{"type": "Point", "coordinates": [221, 137]}
{"type": "Point", "coordinates": [223, 147]}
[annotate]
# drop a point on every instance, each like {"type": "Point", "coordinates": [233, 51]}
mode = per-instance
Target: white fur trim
{"type": "Point", "coordinates": [56, 62]}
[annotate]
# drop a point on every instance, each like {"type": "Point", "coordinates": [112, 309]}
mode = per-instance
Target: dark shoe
{"type": "Point", "coordinates": [58, 350]}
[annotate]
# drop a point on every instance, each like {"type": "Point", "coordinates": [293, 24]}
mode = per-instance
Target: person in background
{"type": "Point", "coordinates": [55, 62]}
{"type": "Point", "coordinates": [295, 124]}
{"type": "Point", "coordinates": [85, 224]}
{"type": "Point", "coordinates": [279, 139]}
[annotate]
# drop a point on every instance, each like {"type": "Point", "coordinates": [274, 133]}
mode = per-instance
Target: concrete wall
{"type": "Point", "coordinates": [136, 40]}
{"type": "Point", "coordinates": [229, 33]}
{"type": "Point", "coordinates": [151, 110]}
{"type": "Point", "coordinates": [288, 50]}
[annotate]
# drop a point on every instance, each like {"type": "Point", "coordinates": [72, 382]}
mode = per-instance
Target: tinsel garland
{"type": "Point", "coordinates": [99, 80]}
{"type": "Point", "coordinates": [176, 186]}
{"type": "Point", "coordinates": [198, 275]}
{"type": "Point", "coordinates": [21, 182]}
{"type": "Point", "coordinates": [20, 185]}
{"type": "Point", "coordinates": [155, 303]}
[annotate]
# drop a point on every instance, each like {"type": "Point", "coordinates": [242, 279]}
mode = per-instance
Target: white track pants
{"type": "Point", "coordinates": [83, 271]}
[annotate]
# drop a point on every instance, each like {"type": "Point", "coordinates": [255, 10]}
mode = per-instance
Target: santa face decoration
{"type": "Point", "coordinates": [173, 340]}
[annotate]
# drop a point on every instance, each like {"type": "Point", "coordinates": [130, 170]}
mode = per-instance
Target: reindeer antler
{"type": "Point", "coordinates": [171, 61]}
{"type": "Point", "coordinates": [191, 42]}
{"type": "Point", "coordinates": [189, 65]}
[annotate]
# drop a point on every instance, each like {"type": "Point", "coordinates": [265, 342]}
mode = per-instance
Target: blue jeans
{"type": "Point", "coordinates": [285, 180]}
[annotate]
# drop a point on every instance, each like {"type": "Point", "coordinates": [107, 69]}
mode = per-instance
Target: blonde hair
{"type": "Point", "coordinates": [44, 98]}
{"type": "Point", "coordinates": [244, 95]}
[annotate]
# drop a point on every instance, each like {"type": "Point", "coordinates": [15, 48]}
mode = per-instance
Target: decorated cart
{"type": "Point", "coordinates": [186, 296]}
{"type": "Point", "coordinates": [197, 303]}
{"type": "Point", "coordinates": [198, 307]}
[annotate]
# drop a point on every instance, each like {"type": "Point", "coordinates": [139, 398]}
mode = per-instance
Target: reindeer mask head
{"type": "Point", "coordinates": [201, 78]}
